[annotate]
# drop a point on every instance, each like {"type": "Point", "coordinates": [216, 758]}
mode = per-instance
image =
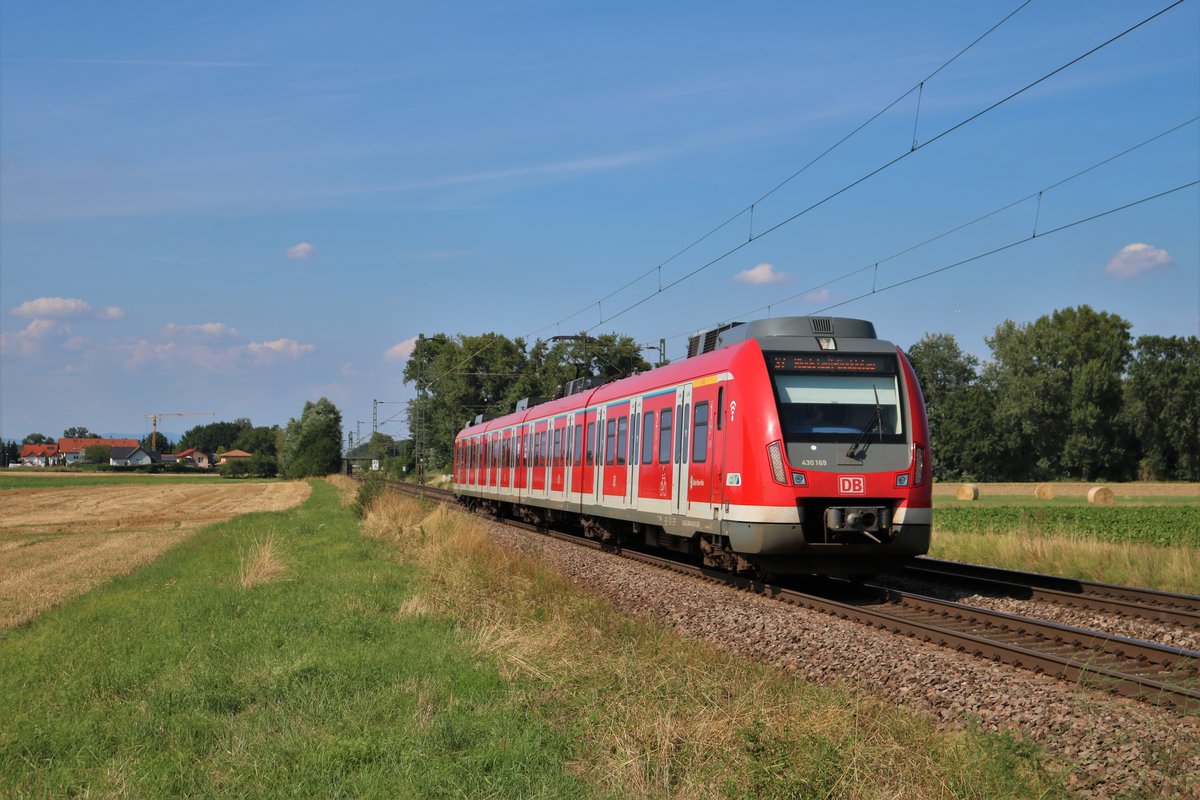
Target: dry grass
{"type": "Point", "coordinates": [262, 563]}
{"type": "Point", "coordinates": [347, 487]}
{"type": "Point", "coordinates": [59, 543]}
{"type": "Point", "coordinates": [1173, 569]}
{"type": "Point", "coordinates": [662, 716]}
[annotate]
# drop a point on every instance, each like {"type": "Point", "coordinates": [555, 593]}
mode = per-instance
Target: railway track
{"type": "Point", "coordinates": [1125, 601]}
{"type": "Point", "coordinates": [1156, 673]}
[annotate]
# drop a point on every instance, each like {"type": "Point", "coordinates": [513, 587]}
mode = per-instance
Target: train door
{"type": "Point", "coordinates": [578, 429]}
{"type": "Point", "coordinates": [558, 458]}
{"type": "Point", "coordinates": [683, 414]}
{"type": "Point", "coordinates": [596, 487]}
{"type": "Point", "coordinates": [616, 454]}
{"type": "Point", "coordinates": [700, 454]}
{"type": "Point", "coordinates": [538, 484]}
{"type": "Point", "coordinates": [634, 450]}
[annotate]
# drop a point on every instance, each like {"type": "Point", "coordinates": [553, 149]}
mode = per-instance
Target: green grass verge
{"type": "Point", "coordinates": [68, 480]}
{"type": "Point", "coordinates": [1153, 525]}
{"type": "Point", "coordinates": [177, 681]}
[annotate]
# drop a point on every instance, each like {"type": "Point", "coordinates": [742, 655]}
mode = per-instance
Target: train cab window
{"type": "Point", "coordinates": [578, 456]}
{"type": "Point", "coordinates": [700, 433]}
{"type": "Point", "coordinates": [591, 443]}
{"type": "Point", "coordinates": [664, 437]}
{"type": "Point", "coordinates": [622, 440]}
{"type": "Point", "coordinates": [648, 437]}
{"type": "Point", "coordinates": [610, 442]}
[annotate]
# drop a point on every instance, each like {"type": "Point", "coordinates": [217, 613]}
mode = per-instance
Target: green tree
{"type": "Point", "coordinates": [965, 443]}
{"type": "Point", "coordinates": [37, 438]}
{"type": "Point", "coordinates": [1162, 406]}
{"type": "Point", "coordinates": [260, 440]}
{"type": "Point", "coordinates": [157, 442]}
{"type": "Point", "coordinates": [79, 432]}
{"type": "Point", "coordinates": [314, 442]}
{"type": "Point", "coordinates": [460, 377]}
{"type": "Point", "coordinates": [12, 453]}
{"type": "Point", "coordinates": [97, 454]}
{"type": "Point", "coordinates": [214, 435]}
{"type": "Point", "coordinates": [1058, 389]}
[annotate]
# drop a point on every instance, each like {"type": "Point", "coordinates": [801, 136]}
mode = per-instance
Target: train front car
{"type": "Point", "coordinates": [836, 421]}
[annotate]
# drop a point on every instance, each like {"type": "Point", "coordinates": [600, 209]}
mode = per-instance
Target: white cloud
{"type": "Point", "coordinates": [29, 341]}
{"type": "Point", "coordinates": [1137, 258]}
{"type": "Point", "coordinates": [288, 348]}
{"type": "Point", "coordinates": [52, 307]}
{"type": "Point", "coordinates": [215, 329]}
{"type": "Point", "coordinates": [819, 296]}
{"type": "Point", "coordinates": [111, 312]}
{"type": "Point", "coordinates": [401, 350]}
{"type": "Point", "coordinates": [763, 273]}
{"type": "Point", "coordinates": [301, 251]}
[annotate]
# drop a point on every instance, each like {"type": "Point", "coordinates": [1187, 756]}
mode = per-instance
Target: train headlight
{"type": "Point", "coordinates": [918, 465]}
{"type": "Point", "coordinates": [799, 479]}
{"type": "Point", "coordinates": [775, 454]}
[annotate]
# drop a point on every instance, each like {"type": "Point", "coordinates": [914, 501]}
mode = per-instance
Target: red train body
{"type": "Point", "coordinates": [787, 445]}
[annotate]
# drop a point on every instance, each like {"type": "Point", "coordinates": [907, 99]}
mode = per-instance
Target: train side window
{"type": "Point", "coordinates": [557, 449]}
{"type": "Point", "coordinates": [610, 442]}
{"type": "Point", "coordinates": [679, 431]}
{"type": "Point", "coordinates": [545, 447]}
{"type": "Point", "coordinates": [664, 437]}
{"type": "Point", "coordinates": [700, 433]}
{"type": "Point", "coordinates": [648, 437]}
{"type": "Point", "coordinates": [578, 445]}
{"type": "Point", "coordinates": [720, 406]}
{"type": "Point", "coordinates": [633, 438]}
{"type": "Point", "coordinates": [684, 425]}
{"type": "Point", "coordinates": [591, 443]}
{"type": "Point", "coordinates": [622, 440]}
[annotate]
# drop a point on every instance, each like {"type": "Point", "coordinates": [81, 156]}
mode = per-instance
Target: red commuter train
{"type": "Point", "coordinates": [779, 446]}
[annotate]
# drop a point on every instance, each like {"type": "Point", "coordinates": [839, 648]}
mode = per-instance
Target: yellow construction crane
{"type": "Point", "coordinates": [154, 419]}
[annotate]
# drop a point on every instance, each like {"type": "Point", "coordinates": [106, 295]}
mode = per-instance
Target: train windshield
{"type": "Point", "coordinates": [834, 398]}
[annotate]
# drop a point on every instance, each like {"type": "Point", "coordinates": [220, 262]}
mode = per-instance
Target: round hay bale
{"type": "Point", "coordinates": [968, 491]}
{"type": "Point", "coordinates": [1044, 491]}
{"type": "Point", "coordinates": [1100, 496]}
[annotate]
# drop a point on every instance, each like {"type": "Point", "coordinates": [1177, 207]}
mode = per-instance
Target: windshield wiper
{"type": "Point", "coordinates": [862, 437]}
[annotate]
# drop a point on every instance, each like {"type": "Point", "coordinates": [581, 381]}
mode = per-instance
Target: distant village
{"type": "Point", "coordinates": [119, 452]}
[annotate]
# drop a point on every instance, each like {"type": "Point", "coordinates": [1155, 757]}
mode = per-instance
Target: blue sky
{"type": "Point", "coordinates": [231, 208]}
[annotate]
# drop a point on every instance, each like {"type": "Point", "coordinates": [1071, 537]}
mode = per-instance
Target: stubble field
{"type": "Point", "coordinates": [56, 543]}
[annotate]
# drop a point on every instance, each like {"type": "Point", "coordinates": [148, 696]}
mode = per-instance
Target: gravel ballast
{"type": "Point", "coordinates": [1108, 746]}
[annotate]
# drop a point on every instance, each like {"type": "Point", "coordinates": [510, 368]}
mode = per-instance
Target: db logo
{"type": "Point", "coordinates": [851, 484]}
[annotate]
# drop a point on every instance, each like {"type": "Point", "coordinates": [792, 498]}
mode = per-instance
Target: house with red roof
{"type": "Point", "coordinates": [39, 455]}
{"type": "Point", "coordinates": [194, 457]}
{"type": "Point", "coordinates": [72, 449]}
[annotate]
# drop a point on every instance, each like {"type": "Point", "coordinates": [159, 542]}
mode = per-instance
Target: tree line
{"type": "Point", "coordinates": [308, 446]}
{"type": "Point", "coordinates": [461, 377]}
{"type": "Point", "coordinates": [1070, 395]}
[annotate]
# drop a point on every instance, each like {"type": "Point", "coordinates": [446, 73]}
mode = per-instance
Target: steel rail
{"type": "Point", "coordinates": [1128, 667]}
{"type": "Point", "coordinates": [1125, 601]}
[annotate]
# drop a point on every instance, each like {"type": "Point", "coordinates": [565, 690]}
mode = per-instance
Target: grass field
{"type": "Point", "coordinates": [287, 654]}
{"type": "Point", "coordinates": [1149, 537]}
{"type": "Point", "coordinates": [31, 479]}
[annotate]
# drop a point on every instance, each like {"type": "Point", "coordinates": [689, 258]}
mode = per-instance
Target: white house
{"type": "Point", "coordinates": [129, 456]}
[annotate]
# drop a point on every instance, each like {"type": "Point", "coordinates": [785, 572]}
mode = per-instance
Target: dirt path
{"type": "Point", "coordinates": [58, 543]}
